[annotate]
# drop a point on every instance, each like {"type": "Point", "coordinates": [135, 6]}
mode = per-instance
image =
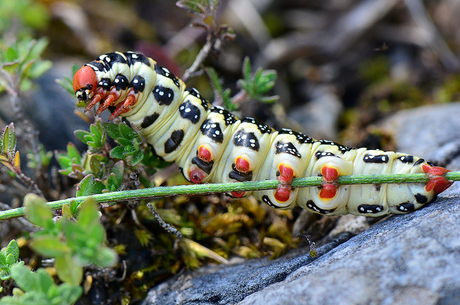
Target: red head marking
{"type": "Point", "coordinates": [86, 78]}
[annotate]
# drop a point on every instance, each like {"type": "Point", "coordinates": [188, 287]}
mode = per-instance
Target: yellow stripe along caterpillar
{"type": "Point", "coordinates": [210, 144]}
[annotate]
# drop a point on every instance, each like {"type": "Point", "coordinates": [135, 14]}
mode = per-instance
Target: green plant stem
{"type": "Point", "coordinates": [199, 189]}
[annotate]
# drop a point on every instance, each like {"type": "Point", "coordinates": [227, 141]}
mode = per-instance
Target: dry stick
{"type": "Point", "coordinates": [199, 189]}
{"type": "Point", "coordinates": [169, 228]}
{"type": "Point", "coordinates": [202, 55]}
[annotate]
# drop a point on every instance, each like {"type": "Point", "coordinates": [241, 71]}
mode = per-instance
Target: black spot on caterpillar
{"type": "Point", "coordinates": [212, 145]}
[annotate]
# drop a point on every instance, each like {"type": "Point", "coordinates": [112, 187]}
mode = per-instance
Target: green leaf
{"type": "Point", "coordinates": [27, 280]}
{"type": "Point", "coordinates": [64, 161]}
{"type": "Point", "coordinates": [11, 54]}
{"type": "Point", "coordinates": [13, 250]}
{"type": "Point", "coordinates": [8, 257]}
{"type": "Point", "coordinates": [66, 83]}
{"type": "Point", "coordinates": [95, 166]}
{"type": "Point", "coordinates": [81, 135]}
{"type": "Point", "coordinates": [67, 270]}
{"type": "Point", "coordinates": [39, 47]}
{"type": "Point", "coordinates": [118, 171]}
{"type": "Point", "coordinates": [88, 213]}
{"type": "Point", "coordinates": [197, 7]}
{"type": "Point", "coordinates": [73, 153]}
{"type": "Point", "coordinates": [137, 157]}
{"type": "Point", "coordinates": [3, 261]}
{"type": "Point", "coordinates": [9, 140]}
{"type": "Point", "coordinates": [69, 293]}
{"type": "Point", "coordinates": [39, 68]}
{"type": "Point", "coordinates": [96, 133]}
{"type": "Point", "coordinates": [86, 186]}
{"type": "Point", "coordinates": [73, 207]}
{"type": "Point", "coordinates": [106, 257]}
{"type": "Point", "coordinates": [36, 210]}
{"type": "Point", "coordinates": [112, 130]}
{"type": "Point", "coordinates": [36, 15]}
{"type": "Point", "coordinates": [259, 84]}
{"type": "Point", "coordinates": [112, 183]}
{"type": "Point", "coordinates": [125, 142]}
{"type": "Point", "coordinates": [117, 152]}
{"type": "Point", "coordinates": [49, 246]}
{"type": "Point", "coordinates": [39, 289]}
{"type": "Point", "coordinates": [66, 211]}
{"type": "Point", "coordinates": [247, 69]}
{"type": "Point", "coordinates": [98, 187]}
{"type": "Point", "coordinates": [127, 132]}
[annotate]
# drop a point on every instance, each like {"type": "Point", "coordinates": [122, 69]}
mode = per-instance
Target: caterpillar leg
{"type": "Point", "coordinates": [100, 94]}
{"type": "Point", "coordinates": [128, 104]}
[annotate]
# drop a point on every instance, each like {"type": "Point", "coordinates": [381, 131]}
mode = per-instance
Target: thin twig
{"type": "Point", "coordinates": [200, 189]}
{"type": "Point", "coordinates": [169, 228]}
{"type": "Point", "coordinates": [200, 58]}
{"type": "Point", "coordinates": [30, 183]}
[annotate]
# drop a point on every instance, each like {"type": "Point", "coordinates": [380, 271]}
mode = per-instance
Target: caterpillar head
{"type": "Point", "coordinates": [84, 84]}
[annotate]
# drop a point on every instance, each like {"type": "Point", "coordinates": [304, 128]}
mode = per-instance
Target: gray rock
{"type": "Point", "coordinates": [230, 284]}
{"type": "Point", "coordinates": [407, 259]}
{"type": "Point", "coordinates": [431, 132]}
{"type": "Point", "coordinates": [320, 115]}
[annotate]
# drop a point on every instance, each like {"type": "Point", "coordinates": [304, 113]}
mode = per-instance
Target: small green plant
{"type": "Point", "coordinates": [20, 63]}
{"type": "Point", "coordinates": [73, 244]}
{"type": "Point", "coordinates": [258, 84]}
{"type": "Point", "coordinates": [74, 240]}
{"type": "Point", "coordinates": [129, 143]}
{"type": "Point", "coordinates": [39, 288]}
{"type": "Point", "coordinates": [8, 257]}
{"type": "Point", "coordinates": [8, 154]}
{"type": "Point", "coordinates": [10, 157]}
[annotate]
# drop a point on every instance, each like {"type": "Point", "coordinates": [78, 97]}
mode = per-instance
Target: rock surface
{"type": "Point", "coordinates": [403, 259]}
{"type": "Point", "coordinates": [431, 132]}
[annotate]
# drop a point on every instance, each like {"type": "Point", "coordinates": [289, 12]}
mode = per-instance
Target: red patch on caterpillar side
{"type": "Point", "coordinates": [196, 175]}
{"type": "Point", "coordinates": [328, 191]}
{"type": "Point", "coordinates": [438, 182]}
{"type": "Point", "coordinates": [283, 192]}
{"type": "Point", "coordinates": [238, 194]}
{"type": "Point", "coordinates": [286, 174]}
{"type": "Point", "coordinates": [85, 77]}
{"type": "Point", "coordinates": [204, 154]}
{"type": "Point", "coordinates": [242, 165]}
{"type": "Point", "coordinates": [330, 174]}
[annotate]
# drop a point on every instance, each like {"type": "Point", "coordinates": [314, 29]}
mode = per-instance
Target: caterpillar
{"type": "Point", "coordinates": [210, 144]}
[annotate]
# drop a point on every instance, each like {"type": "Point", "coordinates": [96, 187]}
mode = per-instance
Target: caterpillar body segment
{"type": "Point", "coordinates": [210, 144]}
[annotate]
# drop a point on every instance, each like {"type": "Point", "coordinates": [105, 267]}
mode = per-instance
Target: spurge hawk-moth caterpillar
{"type": "Point", "coordinates": [210, 144]}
